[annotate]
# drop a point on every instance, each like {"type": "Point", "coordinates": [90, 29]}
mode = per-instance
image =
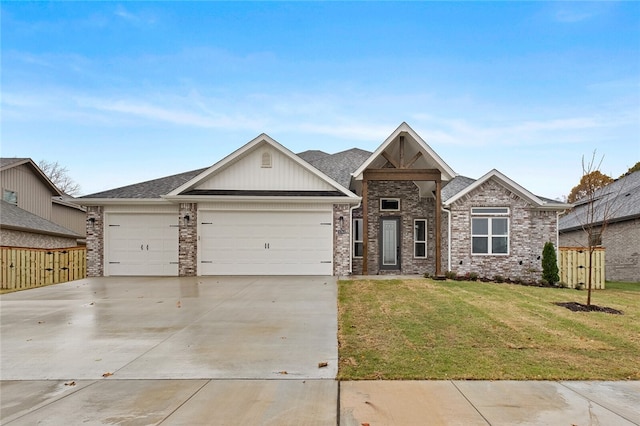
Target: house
{"type": "Point", "coordinates": [33, 212]}
{"type": "Point", "coordinates": [264, 210]}
{"type": "Point", "coordinates": [619, 202]}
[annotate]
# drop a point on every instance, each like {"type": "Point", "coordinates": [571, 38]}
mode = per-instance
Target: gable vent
{"type": "Point", "coordinates": [266, 160]}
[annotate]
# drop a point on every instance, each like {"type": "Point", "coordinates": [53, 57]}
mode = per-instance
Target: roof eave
{"type": "Point", "coordinates": [350, 199]}
{"type": "Point", "coordinates": [40, 231]}
{"type": "Point", "coordinates": [121, 201]}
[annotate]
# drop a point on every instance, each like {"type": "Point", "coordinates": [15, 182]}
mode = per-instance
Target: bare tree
{"type": "Point", "coordinates": [594, 210]}
{"type": "Point", "coordinates": [59, 175]}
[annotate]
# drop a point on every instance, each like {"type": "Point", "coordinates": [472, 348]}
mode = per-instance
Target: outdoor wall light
{"type": "Point", "coordinates": [187, 218]}
{"type": "Point", "coordinates": [341, 220]}
{"type": "Point", "coordinates": [92, 221]}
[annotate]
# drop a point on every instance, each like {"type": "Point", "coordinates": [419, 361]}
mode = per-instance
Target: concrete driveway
{"type": "Point", "coordinates": [228, 350]}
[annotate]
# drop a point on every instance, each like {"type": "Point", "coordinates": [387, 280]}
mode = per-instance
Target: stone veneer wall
{"type": "Point", "coordinates": [95, 241]}
{"type": "Point", "coordinates": [341, 239]}
{"type": "Point", "coordinates": [188, 240]}
{"type": "Point", "coordinates": [411, 207]}
{"type": "Point", "coordinates": [529, 230]}
{"type": "Point", "coordinates": [13, 238]}
{"type": "Point", "coordinates": [622, 249]}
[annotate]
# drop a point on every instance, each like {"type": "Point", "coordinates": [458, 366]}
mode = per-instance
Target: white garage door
{"type": "Point", "coordinates": [142, 244]}
{"type": "Point", "coordinates": [265, 243]}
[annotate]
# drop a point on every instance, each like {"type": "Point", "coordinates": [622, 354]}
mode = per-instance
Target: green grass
{"type": "Point", "coordinates": [424, 329]}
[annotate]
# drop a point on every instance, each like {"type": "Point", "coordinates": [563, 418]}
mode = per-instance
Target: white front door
{"type": "Point", "coordinates": [265, 243]}
{"type": "Point", "coordinates": [141, 244]}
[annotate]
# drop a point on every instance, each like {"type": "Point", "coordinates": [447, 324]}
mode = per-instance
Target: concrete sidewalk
{"type": "Point", "coordinates": [489, 403]}
{"type": "Point", "coordinates": [315, 402]}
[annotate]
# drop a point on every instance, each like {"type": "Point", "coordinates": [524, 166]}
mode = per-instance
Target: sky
{"type": "Point", "coordinates": [123, 92]}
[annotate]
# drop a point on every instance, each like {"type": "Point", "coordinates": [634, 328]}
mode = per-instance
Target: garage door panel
{"type": "Point", "coordinates": [142, 244]}
{"type": "Point", "coordinates": [263, 243]}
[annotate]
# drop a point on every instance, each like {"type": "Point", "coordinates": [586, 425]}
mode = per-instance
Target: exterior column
{"type": "Point", "coordinates": [95, 241]}
{"type": "Point", "coordinates": [438, 229]}
{"type": "Point", "coordinates": [188, 240]}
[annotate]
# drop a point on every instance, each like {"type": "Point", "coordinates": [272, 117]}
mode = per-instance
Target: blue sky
{"type": "Point", "coordinates": [124, 92]}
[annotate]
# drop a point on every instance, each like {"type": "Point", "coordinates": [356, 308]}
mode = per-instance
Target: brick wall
{"type": "Point", "coordinates": [95, 241]}
{"type": "Point", "coordinates": [188, 240]}
{"type": "Point", "coordinates": [12, 238]}
{"type": "Point", "coordinates": [621, 242]}
{"type": "Point", "coordinates": [411, 207]}
{"type": "Point", "coordinates": [341, 239]}
{"type": "Point", "coordinates": [529, 230]}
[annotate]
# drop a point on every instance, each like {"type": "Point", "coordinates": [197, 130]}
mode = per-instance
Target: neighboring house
{"type": "Point", "coordinates": [619, 203]}
{"type": "Point", "coordinates": [264, 210]}
{"type": "Point", "coordinates": [33, 212]}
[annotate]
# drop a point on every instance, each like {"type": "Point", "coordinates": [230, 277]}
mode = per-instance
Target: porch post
{"type": "Point", "coordinates": [438, 229]}
{"type": "Point", "coordinates": [365, 226]}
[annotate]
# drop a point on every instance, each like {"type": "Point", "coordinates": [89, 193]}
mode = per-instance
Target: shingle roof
{"type": "Point", "coordinates": [12, 216]}
{"type": "Point", "coordinates": [340, 165]}
{"type": "Point", "coordinates": [621, 198]}
{"type": "Point", "coordinates": [312, 155]}
{"type": "Point", "coordinates": [150, 189]}
{"type": "Point", "coordinates": [454, 186]}
{"type": "Point", "coordinates": [4, 162]}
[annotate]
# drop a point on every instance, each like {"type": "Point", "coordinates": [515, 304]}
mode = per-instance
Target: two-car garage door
{"type": "Point", "coordinates": [265, 243]}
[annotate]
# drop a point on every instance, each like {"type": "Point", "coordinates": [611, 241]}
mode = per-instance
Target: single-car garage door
{"type": "Point", "coordinates": [265, 243]}
{"type": "Point", "coordinates": [142, 244]}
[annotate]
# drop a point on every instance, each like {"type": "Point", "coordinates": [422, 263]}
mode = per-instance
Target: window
{"type": "Point", "coordinates": [10, 196]}
{"type": "Point", "coordinates": [420, 238]}
{"type": "Point", "coordinates": [390, 204]}
{"type": "Point", "coordinates": [489, 235]}
{"type": "Point", "coordinates": [357, 238]}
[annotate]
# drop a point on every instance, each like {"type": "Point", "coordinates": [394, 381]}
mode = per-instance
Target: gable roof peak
{"type": "Point", "coordinates": [430, 156]}
{"type": "Point", "coordinates": [511, 185]}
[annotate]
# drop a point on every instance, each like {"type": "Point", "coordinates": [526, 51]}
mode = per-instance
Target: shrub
{"type": "Point", "coordinates": [472, 276]}
{"type": "Point", "coordinates": [550, 264]}
{"type": "Point", "coordinates": [450, 275]}
{"type": "Point", "coordinates": [498, 278]}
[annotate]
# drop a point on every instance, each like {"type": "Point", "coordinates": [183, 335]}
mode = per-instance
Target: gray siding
{"type": "Point", "coordinates": [70, 218]}
{"type": "Point", "coordinates": [33, 195]}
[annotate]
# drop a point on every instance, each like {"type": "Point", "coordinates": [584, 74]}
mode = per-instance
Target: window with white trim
{"type": "Point", "coordinates": [389, 204]}
{"type": "Point", "coordinates": [357, 238]}
{"type": "Point", "coordinates": [490, 230]}
{"type": "Point", "coordinates": [420, 238]}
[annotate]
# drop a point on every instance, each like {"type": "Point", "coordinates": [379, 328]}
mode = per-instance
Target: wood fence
{"type": "Point", "coordinates": [574, 267]}
{"type": "Point", "coordinates": [27, 268]}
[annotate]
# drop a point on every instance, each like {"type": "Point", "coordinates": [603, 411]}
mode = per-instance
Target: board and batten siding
{"type": "Point", "coordinates": [33, 195]}
{"type": "Point", "coordinates": [70, 218]}
{"type": "Point", "coordinates": [248, 173]}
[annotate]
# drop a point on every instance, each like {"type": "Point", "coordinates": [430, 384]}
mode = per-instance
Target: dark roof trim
{"type": "Point", "coordinates": [259, 193]}
{"type": "Point", "coordinates": [599, 223]}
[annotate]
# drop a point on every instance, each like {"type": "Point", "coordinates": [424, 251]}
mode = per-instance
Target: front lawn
{"type": "Point", "coordinates": [424, 329]}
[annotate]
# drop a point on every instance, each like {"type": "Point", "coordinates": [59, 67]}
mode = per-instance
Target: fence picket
{"type": "Point", "coordinates": [27, 268]}
{"type": "Point", "coordinates": [574, 266]}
